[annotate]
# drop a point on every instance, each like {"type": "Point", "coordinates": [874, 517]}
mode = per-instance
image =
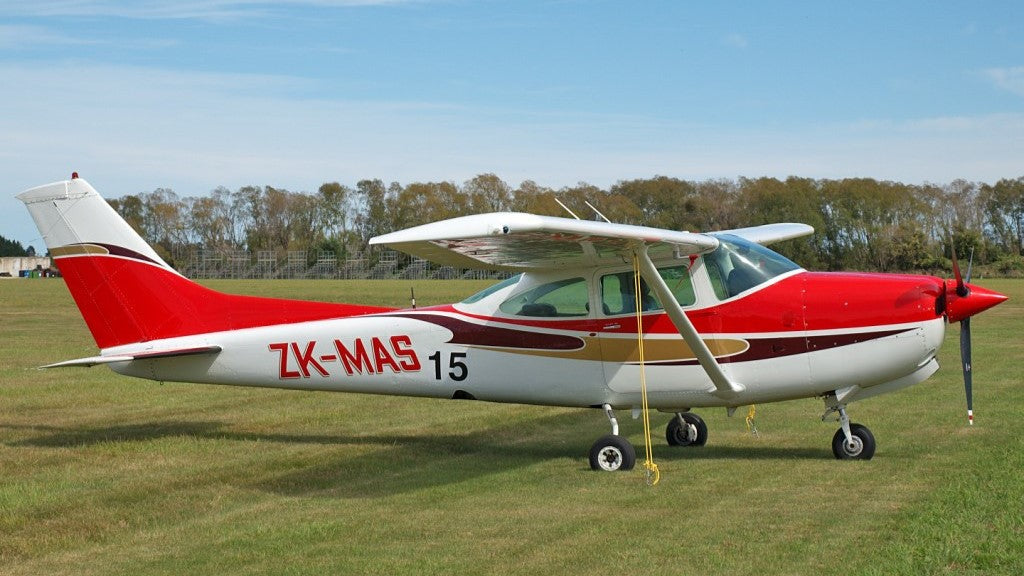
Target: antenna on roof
{"type": "Point", "coordinates": [598, 212]}
{"type": "Point", "coordinates": [566, 208]}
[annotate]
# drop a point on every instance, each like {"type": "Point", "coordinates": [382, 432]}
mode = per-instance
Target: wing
{"type": "Point", "coordinates": [515, 241]}
{"type": "Point", "coordinates": [765, 235]}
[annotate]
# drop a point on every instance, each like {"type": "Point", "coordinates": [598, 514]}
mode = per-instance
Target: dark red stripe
{"type": "Point", "coordinates": [765, 348]}
{"type": "Point", "coordinates": [469, 333]}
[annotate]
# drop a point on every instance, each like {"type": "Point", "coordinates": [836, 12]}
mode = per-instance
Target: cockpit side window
{"type": "Point", "coordinates": [568, 297]}
{"type": "Point", "coordinates": [512, 281]}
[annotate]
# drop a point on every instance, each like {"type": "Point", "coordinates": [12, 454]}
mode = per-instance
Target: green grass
{"type": "Point", "coordinates": [103, 474]}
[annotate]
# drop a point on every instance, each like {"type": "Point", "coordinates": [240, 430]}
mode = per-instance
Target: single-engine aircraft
{"type": "Point", "coordinates": [723, 321]}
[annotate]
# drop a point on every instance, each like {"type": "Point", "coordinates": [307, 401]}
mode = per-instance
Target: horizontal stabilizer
{"type": "Point", "coordinates": [147, 355]}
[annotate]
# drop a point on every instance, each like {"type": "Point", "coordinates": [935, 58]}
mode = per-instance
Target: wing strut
{"type": "Point", "coordinates": [725, 387]}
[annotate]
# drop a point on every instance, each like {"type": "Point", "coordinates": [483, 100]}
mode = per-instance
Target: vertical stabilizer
{"type": "Point", "coordinates": [127, 293]}
{"type": "Point", "coordinates": [74, 219]}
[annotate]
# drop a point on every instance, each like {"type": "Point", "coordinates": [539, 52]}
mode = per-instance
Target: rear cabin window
{"type": "Point", "coordinates": [569, 297]}
{"type": "Point", "coordinates": [618, 291]}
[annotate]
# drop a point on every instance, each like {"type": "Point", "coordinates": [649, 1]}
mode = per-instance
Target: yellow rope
{"type": "Point", "coordinates": [653, 475]}
{"type": "Point", "coordinates": [751, 427]}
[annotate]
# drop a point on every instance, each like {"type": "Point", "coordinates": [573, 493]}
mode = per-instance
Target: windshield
{"type": "Point", "coordinates": [738, 265]}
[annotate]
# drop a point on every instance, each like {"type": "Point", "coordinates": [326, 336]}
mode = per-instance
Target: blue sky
{"type": "Point", "coordinates": [191, 95]}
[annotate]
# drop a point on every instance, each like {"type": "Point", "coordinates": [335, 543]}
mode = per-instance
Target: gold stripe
{"type": "Point", "coordinates": [661, 350]}
{"type": "Point", "coordinates": [75, 249]}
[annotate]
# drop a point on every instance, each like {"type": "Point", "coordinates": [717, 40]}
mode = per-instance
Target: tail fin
{"type": "Point", "coordinates": [127, 293]}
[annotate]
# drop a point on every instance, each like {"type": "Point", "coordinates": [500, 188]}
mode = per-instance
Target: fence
{"type": "Point", "coordinates": [383, 265]}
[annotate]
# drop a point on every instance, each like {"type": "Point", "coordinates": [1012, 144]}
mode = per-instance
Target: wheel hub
{"type": "Point", "coordinates": [611, 459]}
{"type": "Point", "coordinates": [854, 447]}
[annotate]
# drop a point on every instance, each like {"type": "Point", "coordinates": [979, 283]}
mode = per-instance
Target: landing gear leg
{"type": "Point", "coordinates": [612, 452]}
{"type": "Point", "coordinates": [852, 441]}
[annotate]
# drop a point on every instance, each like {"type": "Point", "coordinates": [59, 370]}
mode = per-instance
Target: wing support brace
{"type": "Point", "coordinates": [724, 387]}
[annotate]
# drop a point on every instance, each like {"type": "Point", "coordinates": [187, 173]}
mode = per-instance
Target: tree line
{"type": "Point", "coordinates": [10, 247]}
{"type": "Point", "coordinates": [860, 223]}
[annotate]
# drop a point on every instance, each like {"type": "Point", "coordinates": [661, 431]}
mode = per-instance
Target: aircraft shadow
{"type": "Point", "coordinates": [374, 465]}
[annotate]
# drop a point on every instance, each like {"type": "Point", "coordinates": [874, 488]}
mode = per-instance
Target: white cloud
{"type": "Point", "coordinates": [173, 10]}
{"type": "Point", "coordinates": [15, 37]}
{"type": "Point", "coordinates": [1009, 79]}
{"type": "Point", "coordinates": [735, 40]}
{"type": "Point", "coordinates": [130, 130]}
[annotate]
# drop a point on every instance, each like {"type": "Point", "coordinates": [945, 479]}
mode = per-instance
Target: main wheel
{"type": "Point", "coordinates": [678, 434]}
{"type": "Point", "coordinates": [611, 453]}
{"type": "Point", "coordinates": [862, 448]}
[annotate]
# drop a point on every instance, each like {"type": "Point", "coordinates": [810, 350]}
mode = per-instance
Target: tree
{"type": "Point", "coordinates": [1003, 205]}
{"type": "Point", "coordinates": [371, 207]}
{"type": "Point", "coordinates": [333, 199]}
{"type": "Point", "coordinates": [11, 248]}
{"type": "Point", "coordinates": [769, 200]}
{"type": "Point", "coordinates": [535, 199]}
{"type": "Point", "coordinates": [488, 193]}
{"type": "Point", "coordinates": [423, 202]}
{"type": "Point", "coordinates": [663, 202]}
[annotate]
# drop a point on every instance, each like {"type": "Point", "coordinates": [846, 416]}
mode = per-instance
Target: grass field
{"type": "Point", "coordinates": [104, 474]}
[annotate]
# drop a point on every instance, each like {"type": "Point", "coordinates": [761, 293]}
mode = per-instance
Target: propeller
{"type": "Point", "coordinates": [965, 332]}
{"type": "Point", "coordinates": [958, 304]}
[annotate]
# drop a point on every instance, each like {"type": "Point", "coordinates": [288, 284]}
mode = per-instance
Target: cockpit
{"type": "Point", "coordinates": [735, 267]}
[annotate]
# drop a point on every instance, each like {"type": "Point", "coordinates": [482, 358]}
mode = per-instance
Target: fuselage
{"type": "Point", "coordinates": [570, 338]}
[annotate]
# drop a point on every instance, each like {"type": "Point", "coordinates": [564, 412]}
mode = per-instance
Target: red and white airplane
{"type": "Point", "coordinates": [729, 323]}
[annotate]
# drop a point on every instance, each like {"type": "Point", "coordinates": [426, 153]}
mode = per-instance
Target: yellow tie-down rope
{"type": "Point", "coordinates": [751, 427]}
{"type": "Point", "coordinates": [653, 475]}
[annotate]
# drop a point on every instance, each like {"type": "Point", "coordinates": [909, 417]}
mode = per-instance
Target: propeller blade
{"type": "Point", "coordinates": [965, 359]}
{"type": "Point", "coordinates": [961, 287]}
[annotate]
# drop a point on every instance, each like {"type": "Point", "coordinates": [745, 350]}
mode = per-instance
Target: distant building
{"type": "Point", "coordinates": [13, 265]}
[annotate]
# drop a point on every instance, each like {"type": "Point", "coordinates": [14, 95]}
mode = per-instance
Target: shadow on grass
{"type": "Point", "coordinates": [371, 466]}
{"type": "Point", "coordinates": [713, 452]}
{"type": "Point", "coordinates": [68, 437]}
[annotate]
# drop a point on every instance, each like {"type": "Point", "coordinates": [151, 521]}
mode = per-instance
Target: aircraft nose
{"type": "Point", "coordinates": [977, 300]}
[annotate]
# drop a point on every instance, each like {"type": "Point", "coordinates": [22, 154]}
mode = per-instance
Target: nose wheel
{"type": "Point", "coordinates": [860, 446]}
{"type": "Point", "coordinates": [852, 441]}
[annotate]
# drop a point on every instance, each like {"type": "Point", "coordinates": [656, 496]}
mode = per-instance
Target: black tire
{"type": "Point", "coordinates": [677, 435]}
{"type": "Point", "coordinates": [611, 453]}
{"type": "Point", "coordinates": [863, 440]}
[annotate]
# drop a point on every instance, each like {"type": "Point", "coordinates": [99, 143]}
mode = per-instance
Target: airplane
{"type": "Point", "coordinates": [594, 315]}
